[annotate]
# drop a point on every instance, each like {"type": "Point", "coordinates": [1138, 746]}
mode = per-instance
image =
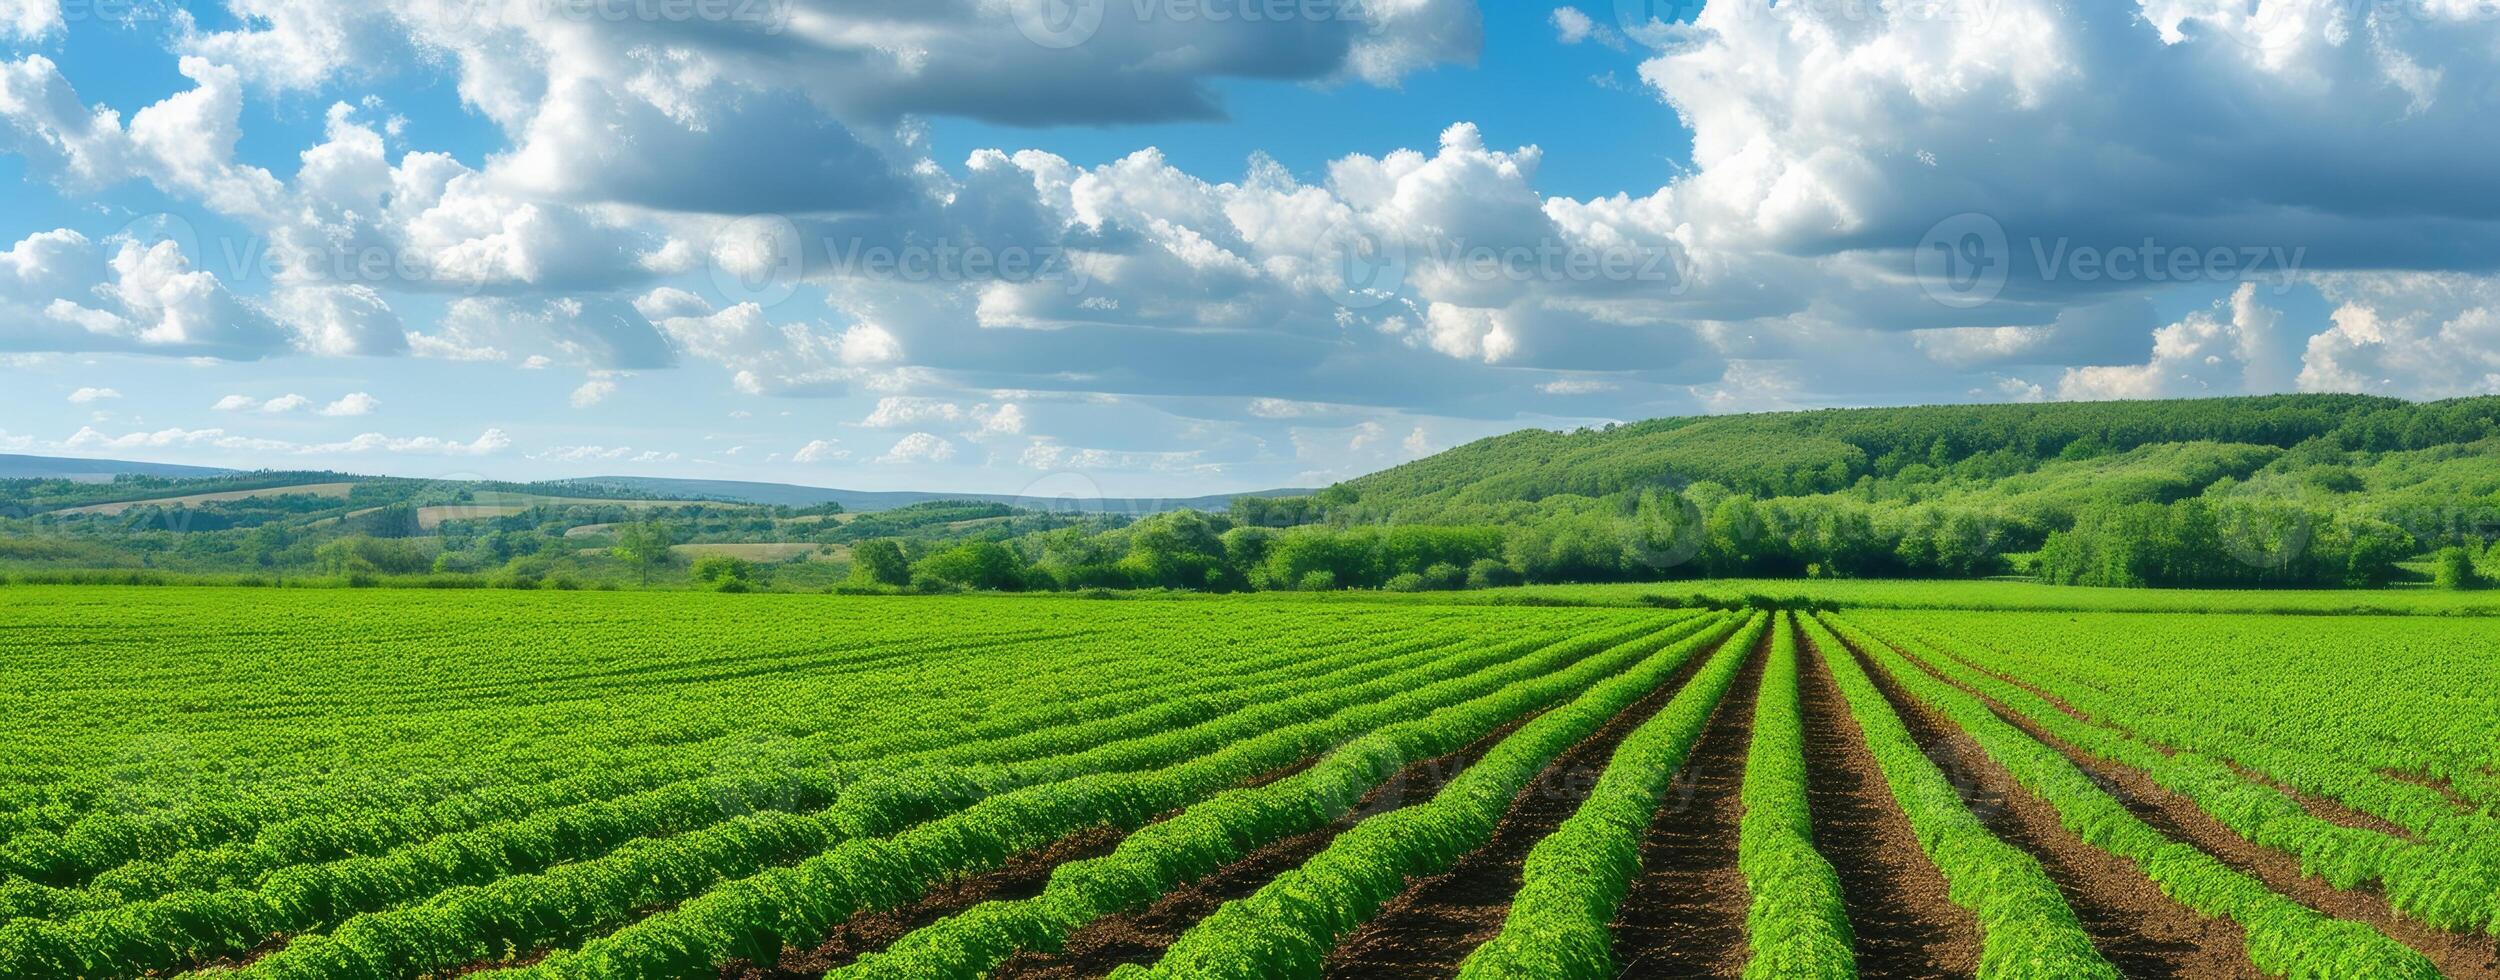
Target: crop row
{"type": "Point", "coordinates": [2025, 927]}
{"type": "Point", "coordinates": [755, 915]}
{"type": "Point", "coordinates": [776, 776]}
{"type": "Point", "coordinates": [185, 926]}
{"type": "Point", "coordinates": [1796, 925]}
{"type": "Point", "coordinates": [2443, 887]}
{"type": "Point", "coordinates": [1288, 927]}
{"type": "Point", "coordinates": [1228, 827]}
{"type": "Point", "coordinates": [2245, 734]}
{"type": "Point", "coordinates": [2285, 938]}
{"type": "Point", "coordinates": [308, 826]}
{"type": "Point", "coordinates": [1574, 880]}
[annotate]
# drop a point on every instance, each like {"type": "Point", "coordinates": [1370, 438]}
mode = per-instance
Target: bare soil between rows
{"type": "Point", "coordinates": [1429, 929]}
{"type": "Point", "coordinates": [2135, 927]}
{"type": "Point", "coordinates": [2322, 807]}
{"type": "Point", "coordinates": [1899, 906]}
{"type": "Point", "coordinates": [1685, 914]}
{"type": "Point", "coordinates": [1141, 936]}
{"type": "Point", "coordinates": [2180, 819]}
{"type": "Point", "coordinates": [1023, 876]}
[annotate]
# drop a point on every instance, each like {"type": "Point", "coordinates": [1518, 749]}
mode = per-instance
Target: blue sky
{"type": "Point", "coordinates": [1150, 251]}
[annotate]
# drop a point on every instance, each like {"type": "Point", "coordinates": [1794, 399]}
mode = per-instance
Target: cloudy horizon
{"type": "Point", "coordinates": [1163, 248]}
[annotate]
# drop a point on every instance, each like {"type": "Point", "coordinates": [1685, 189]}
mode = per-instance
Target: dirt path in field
{"type": "Point", "coordinates": [2138, 929]}
{"type": "Point", "coordinates": [1430, 928]}
{"type": "Point", "coordinates": [2180, 819]}
{"type": "Point", "coordinates": [1142, 936]}
{"type": "Point", "coordinates": [1685, 913]}
{"type": "Point", "coordinates": [1900, 907]}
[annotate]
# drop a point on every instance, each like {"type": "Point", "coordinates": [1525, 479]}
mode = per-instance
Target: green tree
{"type": "Point", "coordinates": [880, 563]}
{"type": "Point", "coordinates": [644, 546]}
{"type": "Point", "coordinates": [1175, 550]}
{"type": "Point", "coordinates": [2453, 569]}
{"type": "Point", "coordinates": [726, 573]}
{"type": "Point", "coordinates": [975, 565]}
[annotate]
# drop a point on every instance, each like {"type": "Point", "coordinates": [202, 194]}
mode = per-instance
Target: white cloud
{"type": "Point", "coordinates": [29, 20]}
{"type": "Point", "coordinates": [352, 404]}
{"type": "Point", "coordinates": [236, 403]}
{"type": "Point", "coordinates": [919, 447]}
{"type": "Point", "coordinates": [1577, 386]}
{"type": "Point", "coordinates": [61, 292]}
{"type": "Point", "coordinates": [341, 321]}
{"type": "Point", "coordinates": [1573, 27]}
{"type": "Point", "coordinates": [904, 412]}
{"type": "Point", "coordinates": [89, 396]}
{"type": "Point", "coordinates": [2414, 335]}
{"type": "Point", "coordinates": [588, 454]}
{"type": "Point", "coordinates": [2239, 347]}
{"type": "Point", "coordinates": [593, 392]}
{"type": "Point", "coordinates": [88, 439]}
{"type": "Point", "coordinates": [816, 451]}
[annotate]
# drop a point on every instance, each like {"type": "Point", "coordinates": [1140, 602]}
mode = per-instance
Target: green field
{"type": "Point", "coordinates": [404, 783]}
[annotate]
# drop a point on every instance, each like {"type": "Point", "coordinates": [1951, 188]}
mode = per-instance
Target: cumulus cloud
{"type": "Point", "coordinates": [352, 404]}
{"type": "Point", "coordinates": [593, 392]}
{"type": "Point", "coordinates": [29, 20]}
{"type": "Point", "coordinates": [89, 439]}
{"type": "Point", "coordinates": [919, 447]}
{"type": "Point", "coordinates": [90, 396]}
{"type": "Point", "coordinates": [586, 454]}
{"type": "Point", "coordinates": [61, 292]}
{"type": "Point", "coordinates": [2416, 335]}
{"type": "Point", "coordinates": [1571, 26]}
{"type": "Point", "coordinates": [1779, 269]}
{"type": "Point", "coordinates": [2239, 347]}
{"type": "Point", "coordinates": [818, 451]}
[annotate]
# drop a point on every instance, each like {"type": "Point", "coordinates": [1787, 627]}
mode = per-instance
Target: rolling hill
{"type": "Point", "coordinates": [97, 470]}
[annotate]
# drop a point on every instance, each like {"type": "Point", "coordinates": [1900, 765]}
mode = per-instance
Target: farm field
{"type": "Point", "coordinates": [407, 783]}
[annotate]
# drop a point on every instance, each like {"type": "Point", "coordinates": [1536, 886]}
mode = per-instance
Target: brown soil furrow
{"type": "Point", "coordinates": [2321, 807]}
{"type": "Point", "coordinates": [2433, 784]}
{"type": "Point", "coordinates": [1023, 876]}
{"type": "Point", "coordinates": [2324, 808]}
{"type": "Point", "coordinates": [2137, 928]}
{"type": "Point", "coordinates": [2180, 819]}
{"type": "Point", "coordinates": [1432, 927]}
{"type": "Point", "coordinates": [1900, 907]}
{"type": "Point", "coordinates": [1685, 913]}
{"type": "Point", "coordinates": [1142, 936]}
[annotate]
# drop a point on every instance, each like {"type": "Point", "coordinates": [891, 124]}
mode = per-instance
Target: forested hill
{"type": "Point", "coordinates": [1804, 453]}
{"type": "Point", "coordinates": [2313, 489]}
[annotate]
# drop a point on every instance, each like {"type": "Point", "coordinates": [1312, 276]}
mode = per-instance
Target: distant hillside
{"type": "Point", "coordinates": [2301, 490]}
{"type": "Point", "coordinates": [1793, 454]}
{"type": "Point", "coordinates": [65, 468]}
{"type": "Point", "coordinates": [867, 501]}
